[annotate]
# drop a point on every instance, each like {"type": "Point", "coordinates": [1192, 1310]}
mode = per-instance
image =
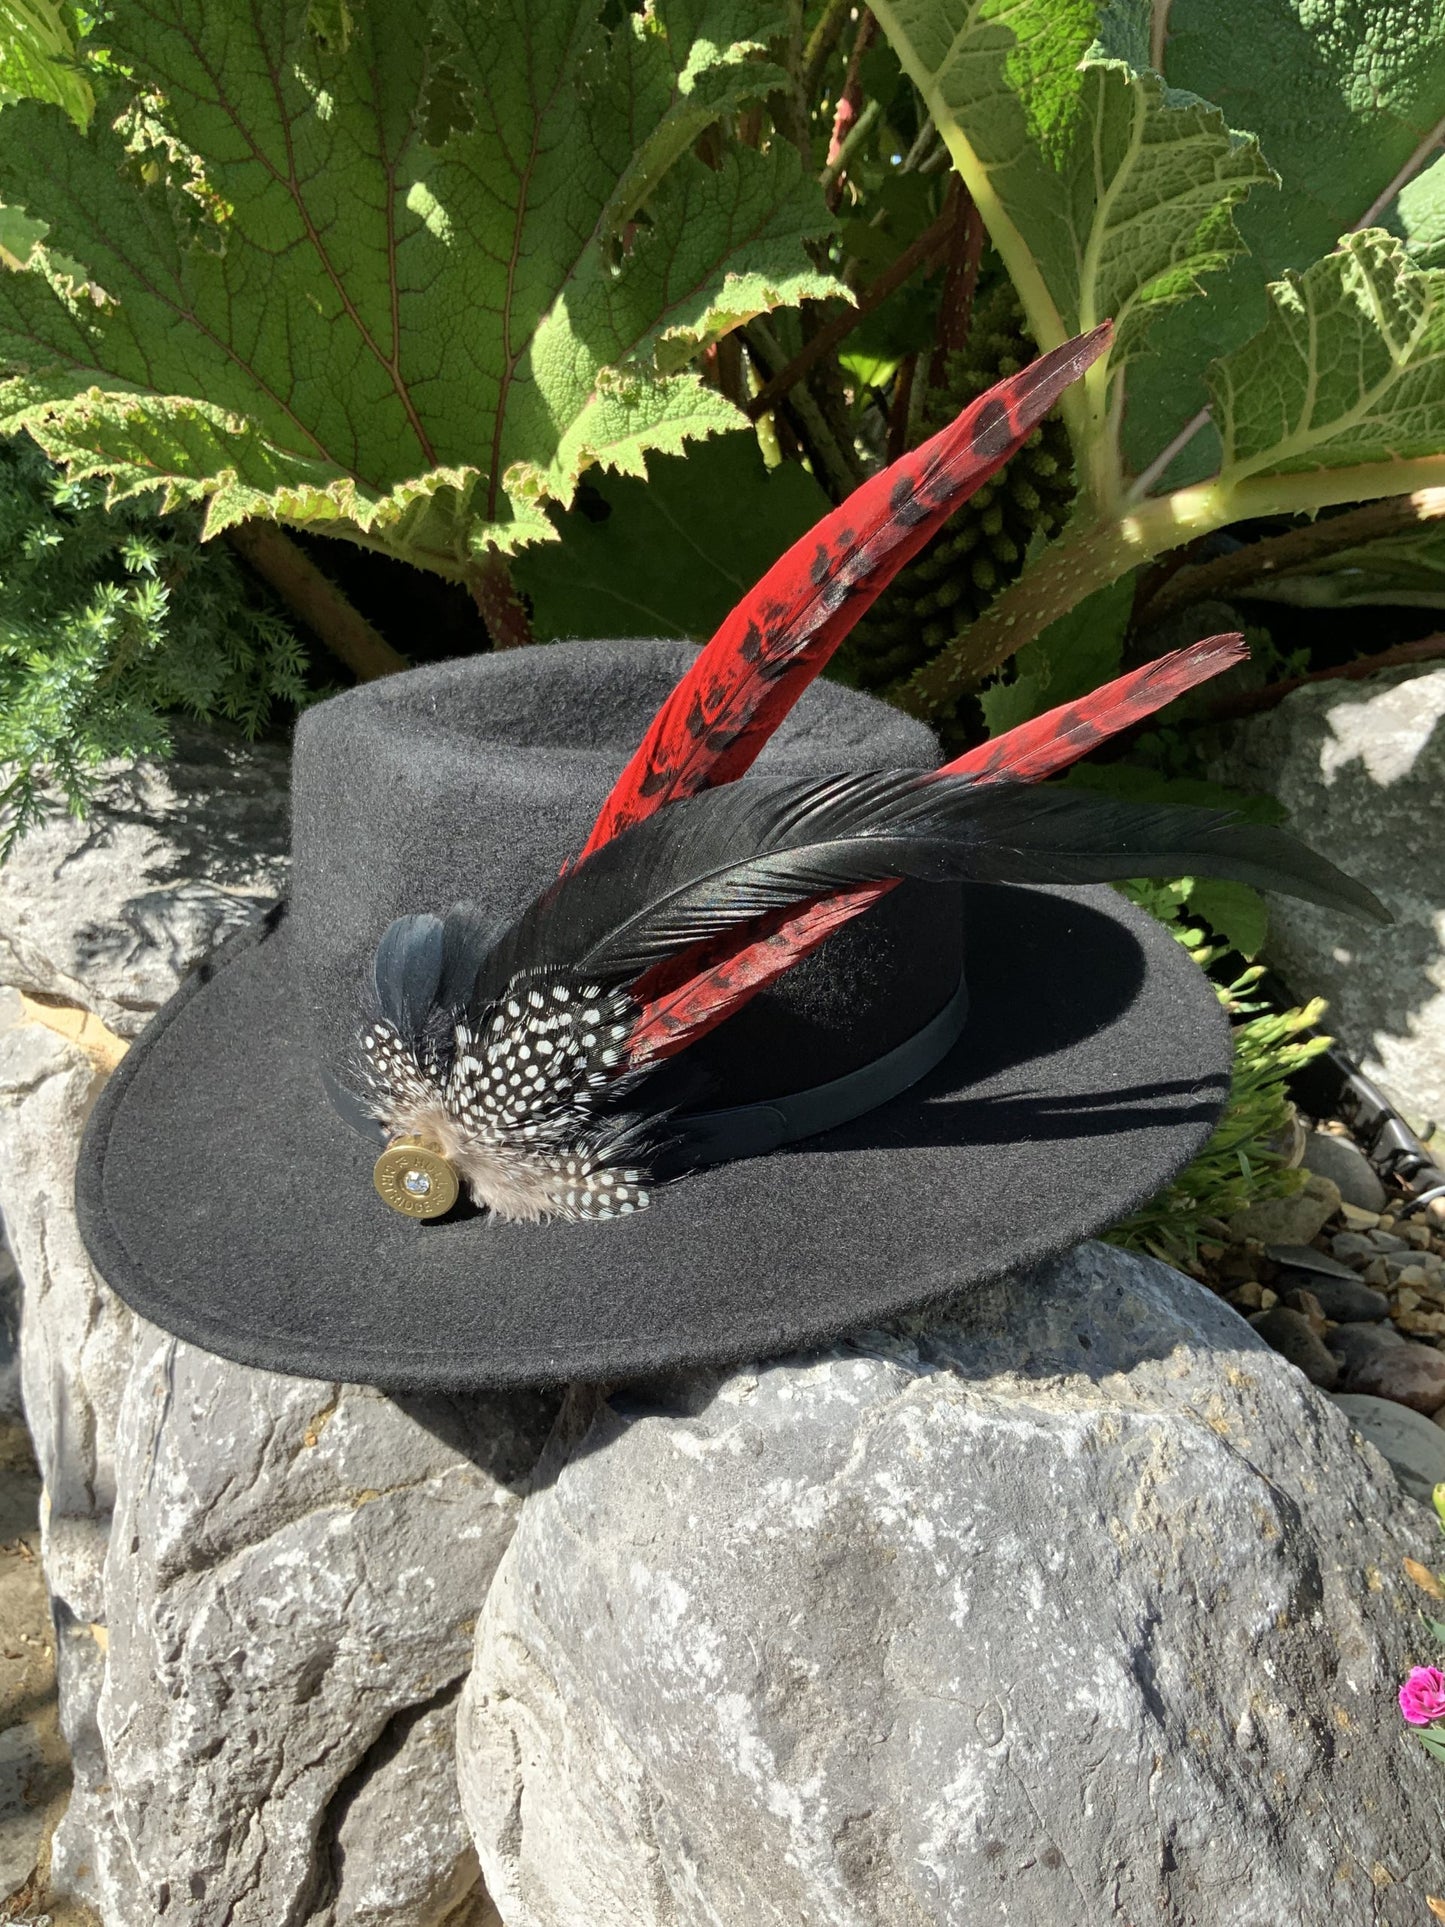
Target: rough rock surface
{"type": "Point", "coordinates": [34, 1766]}
{"type": "Point", "coordinates": [111, 913]}
{"type": "Point", "coordinates": [264, 1587]}
{"type": "Point", "coordinates": [1081, 1606]}
{"type": "Point", "coordinates": [1360, 766]}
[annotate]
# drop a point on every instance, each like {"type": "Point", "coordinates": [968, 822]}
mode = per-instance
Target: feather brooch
{"type": "Point", "coordinates": [524, 1055]}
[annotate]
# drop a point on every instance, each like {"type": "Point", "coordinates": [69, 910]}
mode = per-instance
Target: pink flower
{"type": "Point", "coordinates": [1422, 1697]}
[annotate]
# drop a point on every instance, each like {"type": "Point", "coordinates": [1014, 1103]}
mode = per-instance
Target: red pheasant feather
{"type": "Point", "coordinates": [687, 997]}
{"type": "Point", "coordinates": [522, 1054]}
{"type": "Point", "coordinates": [781, 635]}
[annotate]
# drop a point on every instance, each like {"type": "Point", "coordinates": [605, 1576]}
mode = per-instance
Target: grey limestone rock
{"type": "Point", "coordinates": [264, 1587]}
{"type": "Point", "coordinates": [75, 1352]}
{"type": "Point", "coordinates": [1077, 1605]}
{"type": "Point", "coordinates": [1360, 766]}
{"type": "Point", "coordinates": [111, 913]}
{"type": "Point", "coordinates": [293, 1577]}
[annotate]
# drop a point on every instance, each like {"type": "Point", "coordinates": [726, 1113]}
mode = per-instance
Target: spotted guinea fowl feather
{"type": "Point", "coordinates": [526, 1083]}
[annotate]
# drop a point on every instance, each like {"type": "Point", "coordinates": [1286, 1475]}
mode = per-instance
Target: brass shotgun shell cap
{"type": "Point", "coordinates": [415, 1179]}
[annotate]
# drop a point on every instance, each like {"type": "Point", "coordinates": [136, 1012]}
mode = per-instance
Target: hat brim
{"type": "Point", "coordinates": [223, 1197]}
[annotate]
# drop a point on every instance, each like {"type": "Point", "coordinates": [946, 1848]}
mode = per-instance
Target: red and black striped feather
{"type": "Point", "coordinates": [689, 996]}
{"type": "Point", "coordinates": [772, 645]}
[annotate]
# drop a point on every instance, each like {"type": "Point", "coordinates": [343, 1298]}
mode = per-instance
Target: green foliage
{"type": "Point", "coordinates": [38, 42]}
{"type": "Point", "coordinates": [403, 282]}
{"type": "Point", "coordinates": [1341, 97]}
{"type": "Point", "coordinates": [1111, 185]}
{"type": "Point", "coordinates": [1241, 1163]}
{"type": "Point", "coordinates": [668, 556]}
{"type": "Point", "coordinates": [985, 545]}
{"type": "Point", "coordinates": [1105, 194]}
{"type": "Point", "coordinates": [109, 620]}
{"type": "Point", "coordinates": [1073, 655]}
{"type": "Point", "coordinates": [1348, 370]}
{"type": "Point", "coordinates": [1419, 217]}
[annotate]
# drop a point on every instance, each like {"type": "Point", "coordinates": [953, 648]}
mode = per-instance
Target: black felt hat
{"type": "Point", "coordinates": [637, 1007]}
{"type": "Point", "coordinates": [226, 1187]}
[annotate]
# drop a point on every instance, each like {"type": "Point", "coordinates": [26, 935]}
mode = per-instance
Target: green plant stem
{"type": "Point", "coordinates": [1097, 552]}
{"type": "Point", "coordinates": [500, 604]}
{"type": "Point", "coordinates": [821, 43]}
{"type": "Point", "coordinates": [856, 136]}
{"type": "Point", "coordinates": [316, 600]}
{"type": "Point", "coordinates": [836, 468]}
{"type": "Point", "coordinates": [1227, 575]}
{"type": "Point", "coordinates": [843, 323]}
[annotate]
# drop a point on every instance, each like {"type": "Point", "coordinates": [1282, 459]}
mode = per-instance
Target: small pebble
{"type": "Point", "coordinates": [1415, 1234]}
{"type": "Point", "coordinates": [1410, 1373]}
{"type": "Point", "coordinates": [1346, 1300]}
{"type": "Point", "coordinates": [1290, 1334]}
{"type": "Point", "coordinates": [1289, 1221]}
{"type": "Point", "coordinates": [1343, 1162]}
{"type": "Point", "coordinates": [1351, 1343]}
{"type": "Point", "coordinates": [1425, 1324]}
{"type": "Point", "coordinates": [1353, 1248]}
{"type": "Point", "coordinates": [1307, 1258]}
{"type": "Point", "coordinates": [1304, 1301]}
{"type": "Point", "coordinates": [1386, 1241]}
{"type": "Point", "coordinates": [1357, 1219]}
{"type": "Point", "coordinates": [1250, 1296]}
{"type": "Point", "coordinates": [1412, 1278]}
{"type": "Point", "coordinates": [1377, 1272]}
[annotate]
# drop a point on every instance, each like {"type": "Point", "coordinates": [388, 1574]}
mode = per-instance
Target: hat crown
{"type": "Point", "coordinates": [476, 780]}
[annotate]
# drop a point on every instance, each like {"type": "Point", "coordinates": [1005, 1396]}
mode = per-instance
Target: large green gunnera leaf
{"type": "Point", "coordinates": [406, 282]}
{"type": "Point", "coordinates": [1419, 215]}
{"type": "Point", "coordinates": [671, 555]}
{"type": "Point", "coordinates": [1347, 373]}
{"type": "Point", "coordinates": [1105, 193]}
{"type": "Point", "coordinates": [37, 56]}
{"type": "Point", "coordinates": [1345, 99]}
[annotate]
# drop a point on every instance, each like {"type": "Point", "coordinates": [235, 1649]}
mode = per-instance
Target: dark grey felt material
{"type": "Point", "coordinates": [223, 1198]}
{"type": "Point", "coordinates": [478, 779]}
